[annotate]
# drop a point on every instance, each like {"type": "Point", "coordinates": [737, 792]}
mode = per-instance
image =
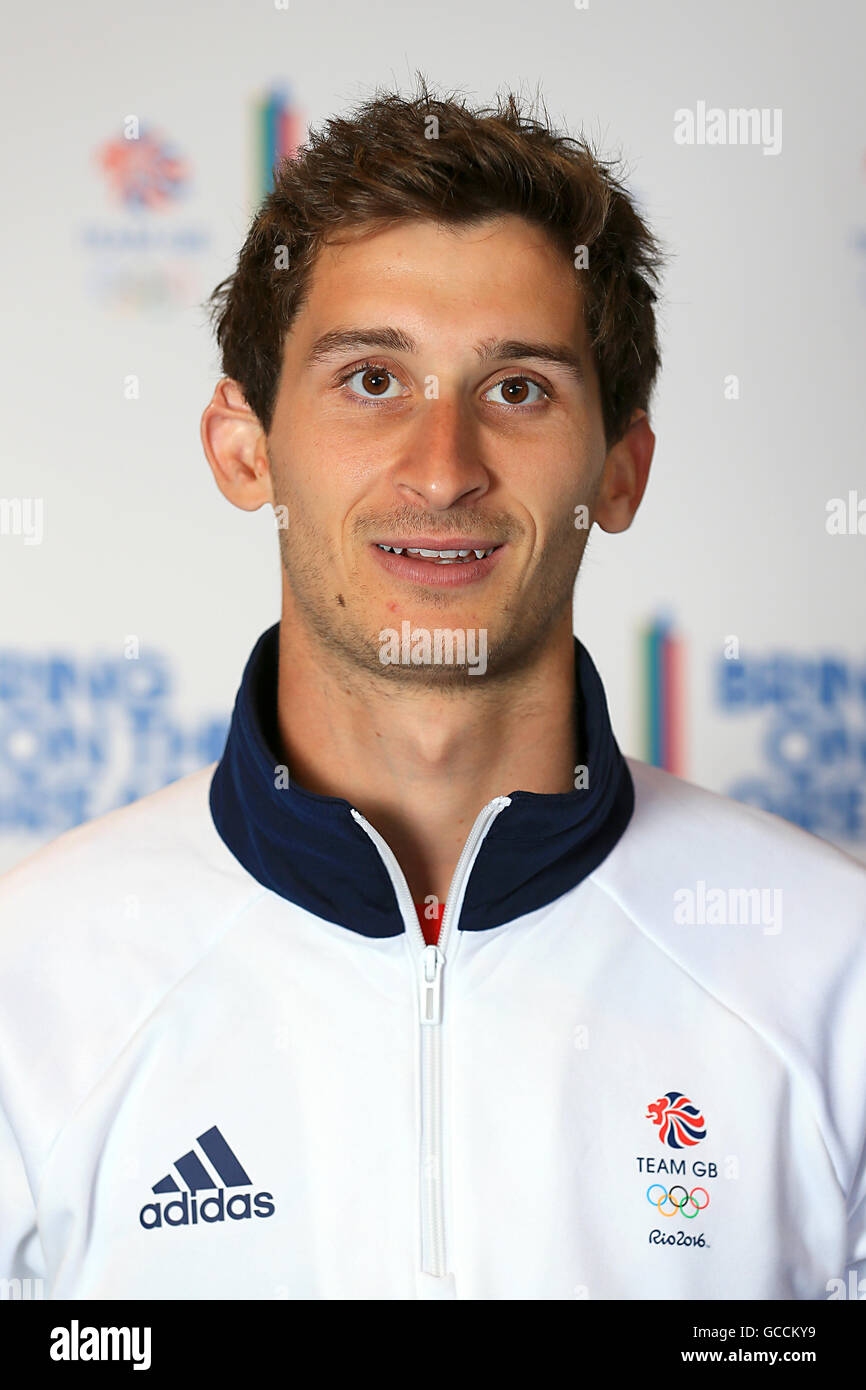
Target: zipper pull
{"type": "Point", "coordinates": [432, 961]}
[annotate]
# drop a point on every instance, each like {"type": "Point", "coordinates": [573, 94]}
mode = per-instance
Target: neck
{"type": "Point", "coordinates": [417, 763]}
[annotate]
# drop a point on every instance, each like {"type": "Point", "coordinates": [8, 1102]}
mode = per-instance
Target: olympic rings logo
{"type": "Point", "coordinates": [687, 1204]}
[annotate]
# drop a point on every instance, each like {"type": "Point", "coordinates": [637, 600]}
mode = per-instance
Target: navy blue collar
{"type": "Point", "coordinates": [309, 848]}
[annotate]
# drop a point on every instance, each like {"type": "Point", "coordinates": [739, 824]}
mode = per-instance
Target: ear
{"type": "Point", "coordinates": [235, 445]}
{"type": "Point", "coordinates": [624, 476]}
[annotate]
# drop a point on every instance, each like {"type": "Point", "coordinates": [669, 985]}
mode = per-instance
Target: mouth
{"type": "Point", "coordinates": [464, 560]}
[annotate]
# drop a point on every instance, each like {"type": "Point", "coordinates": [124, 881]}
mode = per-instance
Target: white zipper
{"type": "Point", "coordinates": [430, 963]}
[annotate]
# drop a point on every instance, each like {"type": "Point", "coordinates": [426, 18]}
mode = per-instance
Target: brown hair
{"type": "Point", "coordinates": [380, 165]}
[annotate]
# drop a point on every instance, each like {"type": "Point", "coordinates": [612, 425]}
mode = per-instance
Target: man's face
{"type": "Point", "coordinates": [441, 424]}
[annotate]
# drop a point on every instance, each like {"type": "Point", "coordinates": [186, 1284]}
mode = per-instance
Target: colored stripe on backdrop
{"type": "Point", "coordinates": [664, 704]}
{"type": "Point", "coordinates": [277, 133]}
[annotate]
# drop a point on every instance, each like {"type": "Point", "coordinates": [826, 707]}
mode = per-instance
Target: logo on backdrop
{"type": "Point", "coordinates": [82, 735]}
{"type": "Point", "coordinates": [814, 741]}
{"type": "Point", "coordinates": [145, 256]}
{"type": "Point", "coordinates": [145, 172]}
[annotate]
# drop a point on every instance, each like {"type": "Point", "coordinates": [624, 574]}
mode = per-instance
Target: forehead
{"type": "Point", "coordinates": [504, 275]}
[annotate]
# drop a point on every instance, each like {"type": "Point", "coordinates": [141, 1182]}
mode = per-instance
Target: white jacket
{"type": "Point", "coordinates": [230, 1067]}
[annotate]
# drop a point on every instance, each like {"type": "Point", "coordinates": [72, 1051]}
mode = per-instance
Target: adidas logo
{"type": "Point", "coordinates": [187, 1210]}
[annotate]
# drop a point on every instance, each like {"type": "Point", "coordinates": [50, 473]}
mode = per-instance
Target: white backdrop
{"type": "Point", "coordinates": [113, 537]}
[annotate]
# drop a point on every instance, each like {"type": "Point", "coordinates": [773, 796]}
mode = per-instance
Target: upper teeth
{"type": "Point", "coordinates": [437, 554]}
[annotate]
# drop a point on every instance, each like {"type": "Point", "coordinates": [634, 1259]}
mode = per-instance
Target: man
{"type": "Point", "coordinates": [414, 1001]}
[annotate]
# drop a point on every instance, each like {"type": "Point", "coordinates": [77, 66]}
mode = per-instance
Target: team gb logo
{"type": "Point", "coordinates": [680, 1122]}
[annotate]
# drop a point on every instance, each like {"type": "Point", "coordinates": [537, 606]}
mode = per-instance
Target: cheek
{"type": "Point", "coordinates": [549, 454]}
{"type": "Point", "coordinates": [564, 511]}
{"type": "Point", "coordinates": [339, 460]}
{"type": "Point", "coordinates": [557, 487]}
{"type": "Point", "coordinates": [320, 490]}
{"type": "Point", "coordinates": [310, 474]}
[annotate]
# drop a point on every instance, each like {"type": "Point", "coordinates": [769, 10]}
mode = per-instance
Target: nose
{"type": "Point", "coordinates": [440, 462]}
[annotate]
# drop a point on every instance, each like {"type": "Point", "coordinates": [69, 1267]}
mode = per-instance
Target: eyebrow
{"type": "Point", "coordinates": [395, 340]}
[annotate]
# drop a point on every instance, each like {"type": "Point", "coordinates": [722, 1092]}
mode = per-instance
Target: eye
{"type": "Point", "coordinates": [373, 382]}
{"type": "Point", "coordinates": [517, 391]}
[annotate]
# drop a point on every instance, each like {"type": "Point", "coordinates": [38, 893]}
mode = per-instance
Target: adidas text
{"type": "Point", "coordinates": [185, 1210]}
